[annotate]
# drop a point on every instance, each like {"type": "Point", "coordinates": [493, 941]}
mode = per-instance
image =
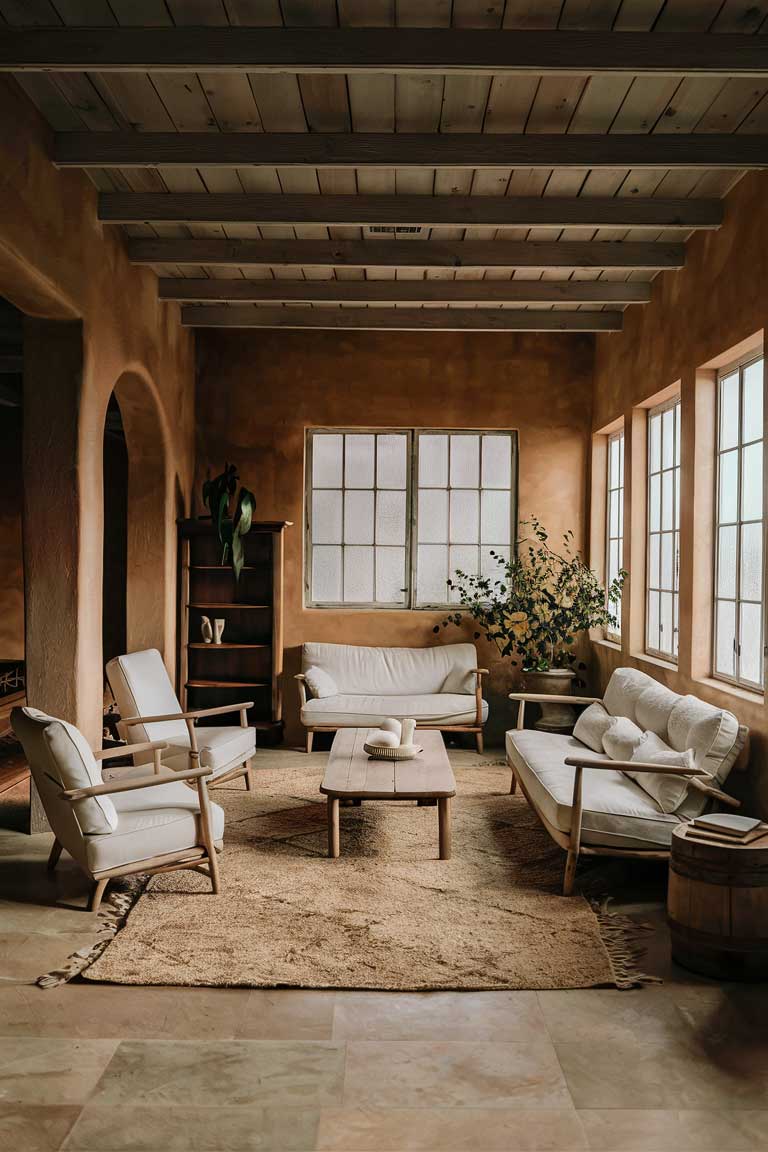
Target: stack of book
{"type": "Point", "coordinates": [725, 828]}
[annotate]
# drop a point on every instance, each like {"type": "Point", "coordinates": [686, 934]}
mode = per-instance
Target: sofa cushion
{"type": "Point", "coordinates": [390, 671]}
{"type": "Point", "coordinates": [220, 748]}
{"type": "Point", "coordinates": [713, 733]}
{"type": "Point", "coordinates": [592, 725]}
{"type": "Point", "coordinates": [617, 813]}
{"type": "Point", "coordinates": [621, 738]}
{"type": "Point", "coordinates": [320, 683]}
{"type": "Point", "coordinates": [358, 711]}
{"type": "Point", "coordinates": [151, 822]}
{"type": "Point", "coordinates": [625, 686]}
{"type": "Point", "coordinates": [653, 709]}
{"type": "Point", "coordinates": [669, 792]}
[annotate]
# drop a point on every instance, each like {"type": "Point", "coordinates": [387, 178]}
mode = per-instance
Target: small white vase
{"type": "Point", "coordinates": [205, 630]}
{"type": "Point", "coordinates": [218, 630]}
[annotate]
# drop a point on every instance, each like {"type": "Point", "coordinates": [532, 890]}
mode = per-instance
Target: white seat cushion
{"type": "Point", "coordinates": [350, 711]}
{"type": "Point", "coordinates": [220, 748]}
{"type": "Point", "coordinates": [617, 813]}
{"type": "Point", "coordinates": [152, 822]}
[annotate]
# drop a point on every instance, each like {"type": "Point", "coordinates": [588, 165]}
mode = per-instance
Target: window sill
{"type": "Point", "coordinates": [749, 696]}
{"type": "Point", "coordinates": [611, 645]}
{"type": "Point", "coordinates": [655, 661]}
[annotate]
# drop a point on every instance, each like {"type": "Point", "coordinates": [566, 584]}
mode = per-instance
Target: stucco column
{"type": "Point", "coordinates": [53, 369]}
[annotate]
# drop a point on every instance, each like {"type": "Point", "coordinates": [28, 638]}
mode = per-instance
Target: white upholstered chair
{"type": "Point", "coordinates": [150, 710]}
{"type": "Point", "coordinates": [147, 823]}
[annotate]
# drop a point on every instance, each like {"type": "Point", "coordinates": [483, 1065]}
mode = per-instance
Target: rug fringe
{"type": "Point", "coordinates": [624, 942]}
{"type": "Point", "coordinates": [111, 917]}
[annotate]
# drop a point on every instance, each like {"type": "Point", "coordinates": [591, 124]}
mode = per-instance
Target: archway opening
{"type": "Point", "coordinates": [114, 623]}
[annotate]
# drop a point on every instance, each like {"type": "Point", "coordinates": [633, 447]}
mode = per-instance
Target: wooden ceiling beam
{"type": "Point", "coordinates": [446, 51]}
{"type": "Point", "coordinates": [407, 253]}
{"type": "Point", "coordinates": [401, 319]}
{"type": "Point", "coordinates": [407, 150]}
{"type": "Point", "coordinates": [405, 291]}
{"type": "Point", "coordinates": [393, 211]}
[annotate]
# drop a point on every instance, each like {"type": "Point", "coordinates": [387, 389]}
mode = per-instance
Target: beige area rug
{"type": "Point", "coordinates": [387, 914]}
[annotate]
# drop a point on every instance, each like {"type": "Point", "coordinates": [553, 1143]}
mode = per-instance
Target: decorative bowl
{"type": "Point", "coordinates": [402, 752]}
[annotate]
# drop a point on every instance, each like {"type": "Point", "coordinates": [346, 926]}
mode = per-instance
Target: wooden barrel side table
{"type": "Point", "coordinates": [718, 907]}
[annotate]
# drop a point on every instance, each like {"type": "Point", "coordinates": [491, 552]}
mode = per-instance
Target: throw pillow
{"type": "Point", "coordinates": [668, 791]}
{"type": "Point", "coordinates": [320, 683]}
{"type": "Point", "coordinates": [592, 725]}
{"type": "Point", "coordinates": [621, 738]}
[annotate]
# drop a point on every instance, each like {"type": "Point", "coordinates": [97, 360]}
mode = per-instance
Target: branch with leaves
{"type": "Point", "coordinates": [217, 495]}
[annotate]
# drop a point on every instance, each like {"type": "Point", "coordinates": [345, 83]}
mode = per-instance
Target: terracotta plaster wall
{"type": "Point", "coordinates": [58, 262]}
{"type": "Point", "coordinates": [715, 304]}
{"type": "Point", "coordinates": [259, 392]}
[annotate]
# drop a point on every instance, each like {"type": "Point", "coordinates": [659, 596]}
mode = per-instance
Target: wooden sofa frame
{"type": "Point", "coordinates": [476, 728]}
{"type": "Point", "coordinates": [243, 769]}
{"type": "Point", "coordinates": [571, 840]}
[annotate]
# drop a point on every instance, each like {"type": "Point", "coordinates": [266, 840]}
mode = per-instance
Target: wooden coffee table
{"type": "Point", "coordinates": [352, 775]}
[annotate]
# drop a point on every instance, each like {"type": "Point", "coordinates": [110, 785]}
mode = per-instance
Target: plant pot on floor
{"type": "Point", "coordinates": [557, 682]}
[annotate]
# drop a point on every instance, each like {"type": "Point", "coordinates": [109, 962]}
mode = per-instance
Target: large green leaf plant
{"type": "Point", "coordinates": [218, 493]}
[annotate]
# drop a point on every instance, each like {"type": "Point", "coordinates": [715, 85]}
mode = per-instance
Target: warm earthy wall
{"type": "Point", "coordinates": [715, 304]}
{"type": "Point", "coordinates": [259, 391]}
{"type": "Point", "coordinates": [58, 262]}
{"type": "Point", "coordinates": [11, 569]}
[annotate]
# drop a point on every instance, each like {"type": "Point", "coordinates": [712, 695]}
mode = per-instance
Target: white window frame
{"type": "Point", "coordinates": [673, 403]}
{"type": "Point", "coordinates": [737, 679]}
{"type": "Point", "coordinates": [614, 437]}
{"type": "Point", "coordinates": [412, 488]}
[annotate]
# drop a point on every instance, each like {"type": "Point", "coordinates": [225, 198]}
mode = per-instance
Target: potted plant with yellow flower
{"type": "Point", "coordinates": [534, 610]}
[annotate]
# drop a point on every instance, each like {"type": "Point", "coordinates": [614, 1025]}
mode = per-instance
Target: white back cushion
{"type": "Point", "coordinates": [624, 688]}
{"type": "Point", "coordinates": [669, 792]}
{"type": "Point", "coordinates": [653, 708]}
{"type": "Point", "coordinates": [592, 725]}
{"type": "Point", "coordinates": [714, 735]}
{"type": "Point", "coordinates": [141, 686]}
{"type": "Point", "coordinates": [359, 670]}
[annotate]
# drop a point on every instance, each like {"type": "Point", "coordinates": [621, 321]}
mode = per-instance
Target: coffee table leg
{"type": "Point", "coordinates": [444, 826]}
{"type": "Point", "coordinates": [333, 826]}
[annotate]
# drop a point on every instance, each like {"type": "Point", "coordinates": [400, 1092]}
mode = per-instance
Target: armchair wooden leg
{"type": "Point", "coordinates": [569, 879]}
{"type": "Point", "coordinates": [250, 780]}
{"type": "Point", "coordinates": [97, 894]}
{"type": "Point", "coordinates": [207, 834]}
{"type": "Point", "coordinates": [573, 849]}
{"type": "Point", "coordinates": [310, 737]}
{"type": "Point", "coordinates": [479, 742]}
{"type": "Point", "coordinates": [513, 783]}
{"type": "Point", "coordinates": [53, 859]}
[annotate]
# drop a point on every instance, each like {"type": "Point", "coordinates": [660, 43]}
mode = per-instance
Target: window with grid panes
{"type": "Point", "coordinates": [738, 602]}
{"type": "Point", "coordinates": [391, 515]}
{"type": "Point", "coordinates": [663, 553]}
{"type": "Point", "coordinates": [614, 523]}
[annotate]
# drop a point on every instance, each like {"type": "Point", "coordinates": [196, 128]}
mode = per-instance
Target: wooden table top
{"type": "Point", "coordinates": [351, 773]}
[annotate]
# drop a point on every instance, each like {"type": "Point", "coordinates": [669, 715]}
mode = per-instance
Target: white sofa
{"type": "Point", "coordinates": [440, 687]}
{"type": "Point", "coordinates": [588, 803]}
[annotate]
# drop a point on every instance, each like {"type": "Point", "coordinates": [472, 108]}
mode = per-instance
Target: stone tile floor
{"type": "Point", "coordinates": [679, 1067]}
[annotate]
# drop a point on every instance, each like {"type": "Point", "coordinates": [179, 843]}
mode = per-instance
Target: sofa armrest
{"type": "Point", "coordinates": [633, 766]}
{"type": "Point", "coordinates": [478, 674]}
{"type": "Point", "coordinates": [715, 793]}
{"type": "Point", "coordinates": [301, 684]}
{"type": "Point", "coordinates": [541, 698]}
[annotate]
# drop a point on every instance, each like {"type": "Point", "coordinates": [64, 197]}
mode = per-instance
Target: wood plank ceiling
{"type": "Point", "coordinates": [526, 250]}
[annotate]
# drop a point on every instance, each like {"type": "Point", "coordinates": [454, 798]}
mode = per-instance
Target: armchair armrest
{"type": "Point", "coordinates": [113, 786]}
{"type": "Point", "coordinates": [480, 671]}
{"type": "Point", "coordinates": [133, 721]}
{"type": "Point", "coordinates": [633, 766]}
{"type": "Point", "coordinates": [129, 749]}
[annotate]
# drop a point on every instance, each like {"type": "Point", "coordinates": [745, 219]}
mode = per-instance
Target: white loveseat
{"type": "Point", "coordinates": [440, 687]}
{"type": "Point", "coordinates": [588, 803]}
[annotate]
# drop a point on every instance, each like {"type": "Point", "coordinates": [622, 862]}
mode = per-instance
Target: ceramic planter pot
{"type": "Point", "coordinates": [556, 682]}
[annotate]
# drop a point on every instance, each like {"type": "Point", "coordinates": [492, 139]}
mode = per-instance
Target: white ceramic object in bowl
{"type": "Point", "coordinates": [401, 752]}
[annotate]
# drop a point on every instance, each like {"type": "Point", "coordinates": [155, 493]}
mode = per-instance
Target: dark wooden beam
{"type": "Point", "coordinates": [402, 319]}
{"type": "Point", "coordinates": [406, 291]}
{"type": "Point", "coordinates": [454, 211]}
{"type": "Point", "coordinates": [339, 50]}
{"type": "Point", "coordinates": [406, 150]}
{"type": "Point", "coordinates": [407, 253]}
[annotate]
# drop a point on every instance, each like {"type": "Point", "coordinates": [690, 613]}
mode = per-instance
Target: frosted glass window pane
{"type": "Point", "coordinates": [326, 517]}
{"type": "Point", "coordinates": [667, 563]}
{"type": "Point", "coordinates": [465, 461]}
{"type": "Point", "coordinates": [390, 517]}
{"type": "Point", "coordinates": [358, 575]}
{"type": "Point", "coordinates": [358, 517]}
{"type": "Point", "coordinates": [620, 528]}
{"type": "Point", "coordinates": [654, 554]}
{"type": "Point", "coordinates": [621, 457]}
{"type": "Point", "coordinates": [495, 518]}
{"type": "Point", "coordinates": [729, 411]}
{"type": "Point", "coordinates": [497, 462]}
{"type": "Point", "coordinates": [432, 574]}
{"type": "Point", "coordinates": [614, 514]}
{"type": "Point", "coordinates": [463, 558]}
{"type": "Point", "coordinates": [751, 561]}
{"type": "Point", "coordinates": [489, 565]}
{"type": "Point", "coordinates": [433, 461]}
{"type": "Point", "coordinates": [677, 435]}
{"type": "Point", "coordinates": [667, 499]}
{"type": "Point", "coordinates": [666, 636]}
{"type": "Point", "coordinates": [753, 402]}
{"type": "Point", "coordinates": [751, 641]}
{"type": "Point", "coordinates": [613, 463]}
{"type": "Point", "coordinates": [725, 631]}
{"type": "Point", "coordinates": [326, 574]}
{"type": "Point", "coordinates": [726, 562]}
{"type": "Point", "coordinates": [752, 482]}
{"type": "Point", "coordinates": [327, 460]}
{"type": "Point", "coordinates": [653, 620]}
{"type": "Point", "coordinates": [433, 516]}
{"type": "Point", "coordinates": [613, 560]}
{"type": "Point", "coordinates": [359, 453]}
{"type": "Point", "coordinates": [391, 460]}
{"type": "Point", "coordinates": [654, 443]}
{"type": "Point", "coordinates": [654, 504]}
{"type": "Point", "coordinates": [729, 488]}
{"type": "Point", "coordinates": [390, 575]}
{"type": "Point", "coordinates": [668, 438]}
{"type": "Point", "coordinates": [465, 517]}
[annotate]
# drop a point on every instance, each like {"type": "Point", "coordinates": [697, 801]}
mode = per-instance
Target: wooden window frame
{"type": "Point", "coordinates": [673, 402]}
{"type": "Point", "coordinates": [613, 633]}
